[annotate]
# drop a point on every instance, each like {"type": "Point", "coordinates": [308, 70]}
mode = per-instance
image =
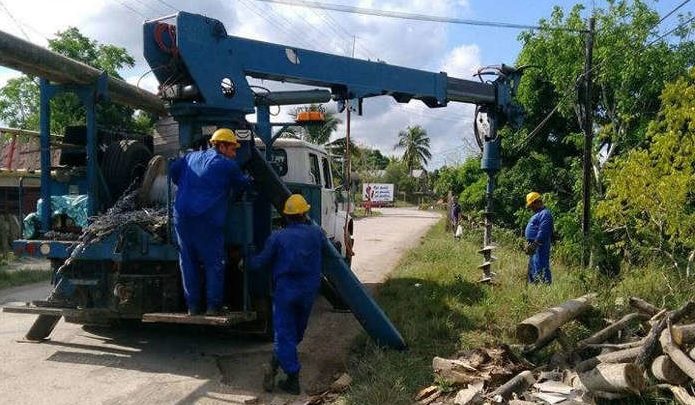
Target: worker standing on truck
{"type": "Point", "coordinates": [204, 180]}
{"type": "Point", "coordinates": [539, 232]}
{"type": "Point", "coordinates": [295, 254]}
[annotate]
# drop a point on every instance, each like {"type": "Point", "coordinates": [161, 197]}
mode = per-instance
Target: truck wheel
{"type": "Point", "coordinates": [42, 327]}
{"type": "Point", "coordinates": [124, 162]}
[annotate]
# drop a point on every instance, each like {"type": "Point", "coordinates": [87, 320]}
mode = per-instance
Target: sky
{"type": "Point", "coordinates": [458, 50]}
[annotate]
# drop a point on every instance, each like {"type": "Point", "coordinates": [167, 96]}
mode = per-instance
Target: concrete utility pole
{"type": "Point", "coordinates": [588, 142]}
{"type": "Point", "coordinates": [29, 58]}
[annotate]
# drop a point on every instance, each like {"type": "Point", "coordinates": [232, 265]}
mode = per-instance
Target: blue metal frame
{"type": "Point", "coordinates": [89, 95]}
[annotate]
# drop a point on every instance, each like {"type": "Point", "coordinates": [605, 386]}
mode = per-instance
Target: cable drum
{"type": "Point", "coordinates": [154, 190]}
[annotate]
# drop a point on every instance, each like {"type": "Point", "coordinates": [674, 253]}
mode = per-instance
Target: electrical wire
{"type": "Point", "coordinates": [131, 9]}
{"type": "Point", "coordinates": [19, 25]}
{"type": "Point", "coordinates": [407, 16]}
{"type": "Point", "coordinates": [168, 5]}
{"type": "Point", "coordinates": [527, 139]}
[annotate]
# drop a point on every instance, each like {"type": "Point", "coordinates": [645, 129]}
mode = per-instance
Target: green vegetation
{"type": "Point", "coordinates": [437, 304]}
{"type": "Point", "coordinates": [16, 278]}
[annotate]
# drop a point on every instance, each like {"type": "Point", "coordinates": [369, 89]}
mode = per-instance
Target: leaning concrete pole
{"type": "Point", "coordinates": [29, 58]}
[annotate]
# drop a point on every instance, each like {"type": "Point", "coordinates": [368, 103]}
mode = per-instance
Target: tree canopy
{"type": "Point", "coordinates": [416, 147]}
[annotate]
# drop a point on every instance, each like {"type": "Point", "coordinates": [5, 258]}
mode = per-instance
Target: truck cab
{"type": "Point", "coordinates": [306, 168]}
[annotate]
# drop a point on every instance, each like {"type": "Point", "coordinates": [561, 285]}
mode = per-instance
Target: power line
{"type": "Point", "coordinates": [131, 9]}
{"type": "Point", "coordinates": [147, 6]}
{"type": "Point", "coordinates": [7, 10]}
{"type": "Point", "coordinates": [524, 143]}
{"type": "Point", "coordinates": [407, 16]}
{"type": "Point", "coordinates": [168, 5]}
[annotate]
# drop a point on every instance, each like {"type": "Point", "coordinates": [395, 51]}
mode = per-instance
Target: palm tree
{"type": "Point", "coordinates": [416, 145]}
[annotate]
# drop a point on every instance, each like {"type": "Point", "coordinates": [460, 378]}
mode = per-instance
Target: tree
{"type": "Point", "coordinates": [19, 103]}
{"type": "Point", "coordinates": [22, 95]}
{"type": "Point", "coordinates": [416, 147]}
{"type": "Point", "coordinates": [630, 71]}
{"type": "Point", "coordinates": [650, 203]}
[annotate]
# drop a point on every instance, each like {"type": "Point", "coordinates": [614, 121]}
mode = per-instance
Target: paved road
{"type": "Point", "coordinates": [158, 364]}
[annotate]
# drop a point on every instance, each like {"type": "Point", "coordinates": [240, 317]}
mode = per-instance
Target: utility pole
{"type": "Point", "coordinates": [588, 142]}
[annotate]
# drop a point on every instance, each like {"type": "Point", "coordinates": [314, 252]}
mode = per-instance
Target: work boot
{"type": "Point", "coordinates": [291, 384]}
{"type": "Point", "coordinates": [270, 372]}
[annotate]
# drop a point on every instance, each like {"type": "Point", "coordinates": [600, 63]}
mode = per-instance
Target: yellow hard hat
{"type": "Point", "coordinates": [296, 205]}
{"type": "Point", "coordinates": [224, 135]}
{"type": "Point", "coordinates": [531, 197]}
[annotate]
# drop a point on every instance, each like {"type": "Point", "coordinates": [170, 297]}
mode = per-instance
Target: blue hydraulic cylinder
{"type": "Point", "coordinates": [490, 161]}
{"type": "Point", "coordinates": [45, 128]}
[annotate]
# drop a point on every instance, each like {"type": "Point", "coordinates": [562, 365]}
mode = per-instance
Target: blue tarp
{"type": "Point", "coordinates": [74, 206]}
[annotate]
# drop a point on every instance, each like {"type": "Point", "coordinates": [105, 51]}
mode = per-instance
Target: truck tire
{"type": "Point", "coordinates": [124, 162]}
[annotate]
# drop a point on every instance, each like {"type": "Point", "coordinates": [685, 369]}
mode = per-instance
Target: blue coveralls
{"type": "Point", "coordinates": [295, 256]}
{"type": "Point", "coordinates": [204, 180]}
{"type": "Point", "coordinates": [540, 229]}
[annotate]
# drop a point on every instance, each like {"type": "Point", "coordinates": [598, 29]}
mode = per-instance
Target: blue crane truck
{"type": "Point", "coordinates": [132, 272]}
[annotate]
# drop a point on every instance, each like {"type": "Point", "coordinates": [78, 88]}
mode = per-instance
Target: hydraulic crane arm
{"type": "Point", "coordinates": [197, 62]}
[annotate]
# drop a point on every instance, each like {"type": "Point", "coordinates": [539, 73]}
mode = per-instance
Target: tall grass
{"type": "Point", "coordinates": [434, 299]}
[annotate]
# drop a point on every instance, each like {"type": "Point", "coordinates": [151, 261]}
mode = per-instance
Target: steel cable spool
{"type": "Point", "coordinates": [153, 190]}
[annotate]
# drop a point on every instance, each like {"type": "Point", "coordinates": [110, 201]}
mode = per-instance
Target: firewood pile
{"type": "Point", "coordinates": [650, 350]}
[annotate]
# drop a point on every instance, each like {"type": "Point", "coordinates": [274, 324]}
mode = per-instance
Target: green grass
{"type": "Point", "coordinates": [20, 277]}
{"type": "Point", "coordinates": [435, 301]}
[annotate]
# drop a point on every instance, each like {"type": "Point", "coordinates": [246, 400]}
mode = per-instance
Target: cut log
{"type": "Point", "coordinates": [455, 371]}
{"type": "Point", "coordinates": [680, 394]}
{"type": "Point", "coordinates": [692, 353]}
{"type": "Point", "coordinates": [665, 370]}
{"type": "Point", "coordinates": [622, 378]}
{"type": "Point", "coordinates": [616, 346]}
{"type": "Point", "coordinates": [517, 384]}
{"type": "Point", "coordinates": [683, 362]}
{"type": "Point", "coordinates": [544, 324]}
{"type": "Point", "coordinates": [643, 306]}
{"type": "Point", "coordinates": [520, 402]}
{"type": "Point", "coordinates": [470, 395]}
{"type": "Point", "coordinates": [650, 349]}
{"type": "Point", "coordinates": [608, 331]}
{"type": "Point", "coordinates": [621, 356]}
{"type": "Point", "coordinates": [683, 334]}
{"type": "Point", "coordinates": [532, 348]}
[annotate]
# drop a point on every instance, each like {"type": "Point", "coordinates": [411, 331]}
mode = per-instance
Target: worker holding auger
{"type": "Point", "coordinates": [204, 180]}
{"type": "Point", "coordinates": [295, 256]}
{"type": "Point", "coordinates": [539, 232]}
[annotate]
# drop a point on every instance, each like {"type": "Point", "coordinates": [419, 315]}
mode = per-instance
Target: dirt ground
{"type": "Point", "coordinates": [163, 364]}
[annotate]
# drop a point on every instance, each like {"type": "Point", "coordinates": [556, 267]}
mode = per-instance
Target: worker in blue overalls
{"type": "Point", "coordinates": [295, 256]}
{"type": "Point", "coordinates": [539, 232]}
{"type": "Point", "coordinates": [205, 180]}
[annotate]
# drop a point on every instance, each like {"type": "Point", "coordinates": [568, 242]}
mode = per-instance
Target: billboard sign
{"type": "Point", "coordinates": [379, 192]}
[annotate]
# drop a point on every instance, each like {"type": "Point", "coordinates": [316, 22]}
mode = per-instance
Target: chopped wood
{"type": "Point", "coordinates": [680, 394]}
{"type": "Point", "coordinates": [621, 356]}
{"type": "Point", "coordinates": [692, 353]}
{"type": "Point", "coordinates": [455, 371]}
{"type": "Point", "coordinates": [616, 346]}
{"type": "Point", "coordinates": [549, 398]}
{"type": "Point", "coordinates": [683, 362]}
{"type": "Point", "coordinates": [658, 315]}
{"type": "Point", "coordinates": [519, 383]}
{"type": "Point", "coordinates": [683, 334]}
{"type": "Point", "coordinates": [651, 343]}
{"type": "Point", "coordinates": [607, 332]}
{"type": "Point", "coordinates": [543, 324]}
{"type": "Point", "coordinates": [342, 383]}
{"type": "Point", "coordinates": [664, 369]}
{"type": "Point", "coordinates": [426, 392]}
{"type": "Point", "coordinates": [643, 306]}
{"type": "Point", "coordinates": [470, 395]}
{"type": "Point", "coordinates": [621, 378]}
{"type": "Point", "coordinates": [553, 387]}
{"type": "Point", "coordinates": [520, 402]}
{"type": "Point", "coordinates": [532, 348]}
